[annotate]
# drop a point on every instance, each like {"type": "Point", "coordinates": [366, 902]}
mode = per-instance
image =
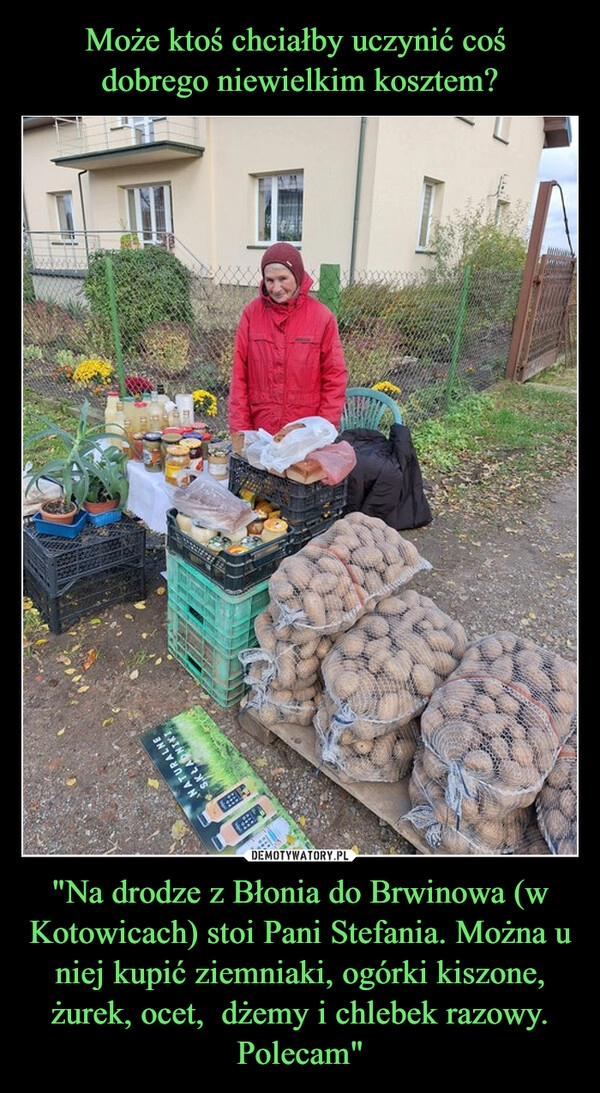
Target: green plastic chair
{"type": "Point", "coordinates": [364, 409]}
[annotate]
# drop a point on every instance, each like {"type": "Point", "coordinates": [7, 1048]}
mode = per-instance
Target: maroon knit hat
{"type": "Point", "coordinates": [284, 254]}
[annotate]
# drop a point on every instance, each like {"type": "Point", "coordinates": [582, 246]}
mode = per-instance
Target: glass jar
{"type": "Point", "coordinates": [218, 462]}
{"type": "Point", "coordinates": [152, 453]}
{"type": "Point", "coordinates": [176, 463]}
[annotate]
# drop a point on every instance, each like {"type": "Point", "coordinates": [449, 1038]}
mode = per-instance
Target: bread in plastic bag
{"type": "Point", "coordinates": [264, 450]}
{"type": "Point", "coordinates": [212, 504]}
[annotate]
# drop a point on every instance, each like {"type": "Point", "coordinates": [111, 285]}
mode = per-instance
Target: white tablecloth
{"type": "Point", "coordinates": [149, 496]}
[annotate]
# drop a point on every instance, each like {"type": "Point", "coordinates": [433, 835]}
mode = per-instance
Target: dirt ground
{"type": "Point", "coordinates": [89, 786]}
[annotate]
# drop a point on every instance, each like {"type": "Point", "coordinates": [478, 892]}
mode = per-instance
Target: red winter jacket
{"type": "Point", "coordinates": [288, 363]}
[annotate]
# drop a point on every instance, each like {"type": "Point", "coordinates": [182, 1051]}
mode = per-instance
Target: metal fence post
{"type": "Point", "coordinates": [460, 322]}
{"type": "Point", "coordinates": [329, 287]}
{"type": "Point", "coordinates": [112, 300]}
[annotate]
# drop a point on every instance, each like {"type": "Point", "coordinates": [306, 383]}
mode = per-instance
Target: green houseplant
{"type": "Point", "coordinates": [86, 470]}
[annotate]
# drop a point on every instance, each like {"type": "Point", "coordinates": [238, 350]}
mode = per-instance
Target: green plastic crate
{"type": "Point", "coordinates": [220, 674]}
{"type": "Point", "coordinates": [224, 619]}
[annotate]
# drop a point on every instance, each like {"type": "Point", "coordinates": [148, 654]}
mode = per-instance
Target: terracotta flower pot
{"type": "Point", "coordinates": [96, 507]}
{"type": "Point", "coordinates": [48, 512]}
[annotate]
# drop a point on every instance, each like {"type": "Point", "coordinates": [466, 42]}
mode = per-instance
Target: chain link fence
{"type": "Point", "coordinates": [100, 311]}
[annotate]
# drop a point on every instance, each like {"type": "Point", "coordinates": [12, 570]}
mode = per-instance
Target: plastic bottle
{"type": "Point", "coordinates": [112, 400]}
{"type": "Point", "coordinates": [116, 426]}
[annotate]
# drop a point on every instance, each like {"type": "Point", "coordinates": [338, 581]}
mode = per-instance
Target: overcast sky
{"type": "Point", "coordinates": [560, 165]}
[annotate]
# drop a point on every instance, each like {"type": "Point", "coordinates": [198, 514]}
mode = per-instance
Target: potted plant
{"type": "Point", "coordinates": [108, 486]}
{"type": "Point", "coordinates": [85, 469]}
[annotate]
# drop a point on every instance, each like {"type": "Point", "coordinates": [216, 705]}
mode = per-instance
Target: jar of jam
{"type": "Point", "coordinates": [152, 453]}
{"type": "Point", "coordinates": [193, 446]}
{"type": "Point", "coordinates": [176, 464]}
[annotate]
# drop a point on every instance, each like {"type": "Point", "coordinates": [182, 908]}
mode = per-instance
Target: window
{"type": "Point", "coordinates": [430, 208]}
{"type": "Point", "coordinates": [64, 209]}
{"type": "Point", "coordinates": [149, 214]}
{"type": "Point", "coordinates": [142, 128]}
{"type": "Point", "coordinates": [502, 129]}
{"type": "Point", "coordinates": [279, 208]}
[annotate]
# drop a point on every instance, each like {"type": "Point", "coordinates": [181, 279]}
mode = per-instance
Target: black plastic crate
{"type": "Point", "coordinates": [234, 573]}
{"type": "Point", "coordinates": [56, 563]}
{"type": "Point", "coordinates": [86, 595]}
{"type": "Point", "coordinates": [298, 503]}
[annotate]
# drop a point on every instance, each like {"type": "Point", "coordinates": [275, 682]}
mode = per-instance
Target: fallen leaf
{"type": "Point", "coordinates": [107, 721]}
{"type": "Point", "coordinates": [62, 658]}
{"type": "Point", "coordinates": [116, 709]}
{"type": "Point", "coordinates": [531, 615]}
{"type": "Point", "coordinates": [159, 661]}
{"type": "Point", "coordinates": [82, 690]}
{"type": "Point", "coordinates": [95, 622]}
{"type": "Point", "coordinates": [160, 591]}
{"type": "Point", "coordinates": [260, 763]}
{"type": "Point", "coordinates": [70, 672]}
{"type": "Point", "coordinates": [134, 674]}
{"type": "Point", "coordinates": [355, 850]}
{"type": "Point", "coordinates": [41, 641]}
{"type": "Point", "coordinates": [302, 821]}
{"type": "Point", "coordinates": [77, 678]}
{"type": "Point", "coordinates": [71, 782]}
{"type": "Point", "coordinates": [178, 829]}
{"type": "Point", "coordinates": [141, 606]}
{"type": "Point", "coordinates": [277, 771]}
{"type": "Point", "coordinates": [90, 659]}
{"type": "Point", "coordinates": [128, 616]}
{"type": "Point", "coordinates": [153, 782]}
{"type": "Point", "coordinates": [144, 635]}
{"type": "Point", "coordinates": [60, 732]}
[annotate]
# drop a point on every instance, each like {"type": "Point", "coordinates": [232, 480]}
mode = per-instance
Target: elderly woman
{"type": "Point", "coordinates": [288, 360]}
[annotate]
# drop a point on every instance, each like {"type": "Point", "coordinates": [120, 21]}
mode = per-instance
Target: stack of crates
{"type": "Point", "coordinates": [207, 628]}
{"type": "Point", "coordinates": [214, 598]}
{"type": "Point", "coordinates": [70, 578]}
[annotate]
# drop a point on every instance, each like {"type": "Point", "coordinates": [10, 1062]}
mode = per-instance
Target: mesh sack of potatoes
{"type": "Point", "coordinates": [476, 831]}
{"type": "Point", "coordinates": [385, 668]}
{"type": "Point", "coordinates": [283, 676]}
{"type": "Point", "coordinates": [337, 576]}
{"type": "Point", "coordinates": [493, 736]}
{"type": "Point", "coordinates": [273, 705]}
{"type": "Point", "coordinates": [556, 803]}
{"type": "Point", "coordinates": [385, 758]}
{"type": "Point", "coordinates": [529, 669]}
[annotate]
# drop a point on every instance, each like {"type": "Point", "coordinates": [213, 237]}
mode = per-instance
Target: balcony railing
{"type": "Point", "coordinates": [87, 135]}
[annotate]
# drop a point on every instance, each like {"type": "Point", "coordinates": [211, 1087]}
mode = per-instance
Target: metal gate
{"type": "Point", "coordinates": [541, 322]}
{"type": "Point", "coordinates": [546, 323]}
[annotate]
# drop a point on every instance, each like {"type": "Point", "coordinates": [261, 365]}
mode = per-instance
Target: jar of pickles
{"type": "Point", "coordinates": [152, 456]}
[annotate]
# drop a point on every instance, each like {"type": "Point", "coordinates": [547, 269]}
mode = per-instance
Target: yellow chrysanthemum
{"type": "Point", "coordinates": [205, 401]}
{"type": "Point", "coordinates": [387, 388]}
{"type": "Point", "coordinates": [93, 371]}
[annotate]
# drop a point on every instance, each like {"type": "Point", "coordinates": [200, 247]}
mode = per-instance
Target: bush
{"type": "Point", "coordinates": [166, 347]}
{"type": "Point", "coordinates": [150, 285]}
